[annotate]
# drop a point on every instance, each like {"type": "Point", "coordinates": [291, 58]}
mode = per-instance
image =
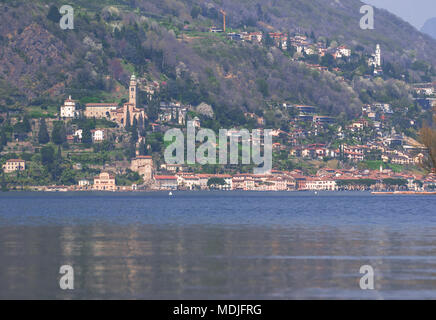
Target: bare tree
{"type": "Point", "coordinates": [428, 138]}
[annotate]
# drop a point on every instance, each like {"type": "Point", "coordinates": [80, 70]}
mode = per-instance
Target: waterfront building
{"type": "Point", "coordinates": [188, 181]}
{"type": "Point", "coordinates": [320, 184]}
{"type": "Point", "coordinates": [84, 184]}
{"type": "Point", "coordinates": [203, 180]}
{"type": "Point", "coordinates": [165, 182]}
{"type": "Point", "coordinates": [243, 182]}
{"type": "Point", "coordinates": [104, 182]}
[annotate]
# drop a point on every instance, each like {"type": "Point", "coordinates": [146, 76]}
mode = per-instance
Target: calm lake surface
{"type": "Point", "coordinates": [209, 245]}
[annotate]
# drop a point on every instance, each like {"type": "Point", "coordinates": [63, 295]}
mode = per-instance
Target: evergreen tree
{"type": "Point", "coordinates": [47, 156]}
{"type": "Point", "coordinates": [131, 151]}
{"type": "Point", "coordinates": [177, 116]}
{"type": "Point", "coordinates": [269, 41]}
{"type": "Point", "coordinates": [141, 122]}
{"type": "Point", "coordinates": [127, 120]}
{"type": "Point", "coordinates": [59, 154]}
{"type": "Point", "coordinates": [43, 136]}
{"type": "Point", "coordinates": [134, 137]}
{"type": "Point", "coordinates": [290, 48]}
{"type": "Point", "coordinates": [195, 11]}
{"type": "Point", "coordinates": [53, 14]}
{"type": "Point", "coordinates": [4, 185]}
{"type": "Point", "coordinates": [3, 138]}
{"type": "Point", "coordinates": [57, 165]}
{"type": "Point", "coordinates": [59, 134]}
{"type": "Point", "coordinates": [26, 124]}
{"type": "Point", "coordinates": [143, 151]}
{"type": "Point", "coordinates": [86, 136]}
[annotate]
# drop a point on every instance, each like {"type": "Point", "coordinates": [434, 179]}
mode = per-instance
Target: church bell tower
{"type": "Point", "coordinates": [132, 91]}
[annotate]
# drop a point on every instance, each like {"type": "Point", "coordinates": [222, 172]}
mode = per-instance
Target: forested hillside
{"type": "Point", "coordinates": [168, 41]}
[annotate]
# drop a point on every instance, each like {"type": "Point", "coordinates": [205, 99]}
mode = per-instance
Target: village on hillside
{"type": "Point", "coordinates": [312, 150]}
{"type": "Point", "coordinates": [389, 150]}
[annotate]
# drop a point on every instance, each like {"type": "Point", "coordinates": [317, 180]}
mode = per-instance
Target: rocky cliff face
{"type": "Point", "coordinates": [30, 59]}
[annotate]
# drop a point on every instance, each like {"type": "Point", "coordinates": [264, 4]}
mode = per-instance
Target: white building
{"type": "Point", "coordinates": [84, 184]}
{"type": "Point", "coordinates": [385, 107]}
{"type": "Point", "coordinates": [196, 123]}
{"type": "Point", "coordinates": [78, 134]}
{"type": "Point", "coordinates": [375, 59]}
{"type": "Point", "coordinates": [378, 56]}
{"type": "Point", "coordinates": [97, 135]}
{"type": "Point", "coordinates": [425, 91]}
{"type": "Point", "coordinates": [68, 110]}
{"type": "Point", "coordinates": [188, 181]}
{"type": "Point", "coordinates": [343, 51]}
{"type": "Point", "coordinates": [319, 184]}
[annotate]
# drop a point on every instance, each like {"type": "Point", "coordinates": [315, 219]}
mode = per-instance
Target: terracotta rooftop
{"type": "Point", "coordinates": [165, 178]}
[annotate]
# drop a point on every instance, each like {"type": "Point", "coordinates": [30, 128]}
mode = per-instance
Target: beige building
{"type": "Point", "coordinates": [112, 112]}
{"type": "Point", "coordinates": [104, 182]}
{"type": "Point", "coordinates": [144, 166]}
{"type": "Point", "coordinates": [320, 184]}
{"type": "Point", "coordinates": [129, 109]}
{"type": "Point", "coordinates": [100, 110]}
{"type": "Point", "coordinates": [13, 165]}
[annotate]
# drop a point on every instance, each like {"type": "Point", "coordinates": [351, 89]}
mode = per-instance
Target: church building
{"type": "Point", "coordinates": [129, 111]}
{"type": "Point", "coordinates": [124, 115]}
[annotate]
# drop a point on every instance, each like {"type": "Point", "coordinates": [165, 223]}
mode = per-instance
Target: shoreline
{"type": "Point", "coordinates": [425, 193]}
{"type": "Point", "coordinates": [314, 192]}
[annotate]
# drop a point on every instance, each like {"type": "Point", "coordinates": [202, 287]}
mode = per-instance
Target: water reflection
{"type": "Point", "coordinates": [197, 262]}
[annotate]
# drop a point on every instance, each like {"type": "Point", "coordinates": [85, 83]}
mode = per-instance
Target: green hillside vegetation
{"type": "Point", "coordinates": [168, 40]}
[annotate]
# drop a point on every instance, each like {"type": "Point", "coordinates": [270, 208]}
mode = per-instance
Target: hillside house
{"type": "Point", "coordinates": [13, 165]}
{"type": "Point", "coordinates": [68, 109]}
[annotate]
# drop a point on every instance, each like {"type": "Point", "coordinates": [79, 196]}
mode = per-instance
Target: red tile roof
{"type": "Point", "coordinates": [165, 178]}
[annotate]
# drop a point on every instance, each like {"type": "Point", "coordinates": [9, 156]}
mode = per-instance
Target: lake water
{"type": "Point", "coordinates": [209, 245]}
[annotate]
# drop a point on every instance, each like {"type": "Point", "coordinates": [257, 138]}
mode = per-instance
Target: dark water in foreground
{"type": "Point", "coordinates": [217, 245]}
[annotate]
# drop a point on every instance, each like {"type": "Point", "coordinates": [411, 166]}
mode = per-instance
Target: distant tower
{"type": "Point", "coordinates": [132, 91]}
{"type": "Point", "coordinates": [378, 56]}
